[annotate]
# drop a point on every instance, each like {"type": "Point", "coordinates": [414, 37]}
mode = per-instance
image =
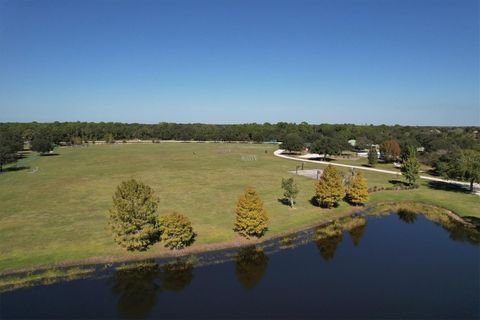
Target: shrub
{"type": "Point", "coordinates": [133, 218]}
{"type": "Point", "coordinates": [176, 231]}
{"type": "Point", "coordinates": [251, 216]}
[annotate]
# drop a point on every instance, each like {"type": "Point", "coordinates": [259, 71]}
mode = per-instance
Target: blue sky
{"type": "Point", "coordinates": [223, 61]}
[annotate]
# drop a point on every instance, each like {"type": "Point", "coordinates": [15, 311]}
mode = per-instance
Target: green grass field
{"type": "Point", "coordinates": [59, 213]}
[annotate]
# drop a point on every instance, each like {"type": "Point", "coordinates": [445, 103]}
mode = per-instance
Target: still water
{"type": "Point", "coordinates": [398, 266]}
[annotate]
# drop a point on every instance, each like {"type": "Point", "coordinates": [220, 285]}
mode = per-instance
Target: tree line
{"type": "Point", "coordinates": [431, 138]}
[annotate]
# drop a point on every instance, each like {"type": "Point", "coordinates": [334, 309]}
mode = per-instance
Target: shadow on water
{"type": "Point", "coordinates": [139, 288]}
{"type": "Point", "coordinates": [250, 266]}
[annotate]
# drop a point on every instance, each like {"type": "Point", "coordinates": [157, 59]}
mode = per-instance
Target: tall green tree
{"type": "Point", "coordinates": [372, 157]}
{"type": "Point", "coordinates": [290, 190]}
{"type": "Point", "coordinates": [357, 193]}
{"type": "Point", "coordinates": [133, 217]}
{"type": "Point", "coordinates": [251, 216]}
{"type": "Point", "coordinates": [329, 189]}
{"type": "Point", "coordinates": [10, 144]}
{"type": "Point", "coordinates": [328, 146]}
{"type": "Point", "coordinates": [461, 165]}
{"type": "Point", "coordinates": [411, 166]}
{"type": "Point", "coordinates": [292, 142]}
{"type": "Point", "coordinates": [42, 142]}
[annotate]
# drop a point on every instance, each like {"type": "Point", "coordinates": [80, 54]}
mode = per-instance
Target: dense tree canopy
{"type": "Point", "coordinates": [133, 217]}
{"type": "Point", "coordinates": [292, 142]}
{"type": "Point", "coordinates": [10, 144]}
{"type": "Point", "coordinates": [461, 165]}
{"type": "Point", "coordinates": [42, 142]}
{"type": "Point", "coordinates": [329, 146]}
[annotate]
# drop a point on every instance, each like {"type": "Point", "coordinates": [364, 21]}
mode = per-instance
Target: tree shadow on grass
{"type": "Point", "coordinates": [15, 168]}
{"type": "Point", "coordinates": [284, 201]}
{"type": "Point", "coordinates": [439, 185]}
{"type": "Point", "coordinates": [49, 154]}
{"type": "Point", "coordinates": [398, 183]}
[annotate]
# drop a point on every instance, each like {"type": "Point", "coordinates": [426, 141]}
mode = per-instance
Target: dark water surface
{"type": "Point", "coordinates": [392, 267]}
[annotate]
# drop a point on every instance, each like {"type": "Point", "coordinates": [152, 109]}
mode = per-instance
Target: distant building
{"type": "Point", "coordinates": [352, 142]}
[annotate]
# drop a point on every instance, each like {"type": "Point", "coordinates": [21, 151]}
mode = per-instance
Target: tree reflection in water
{"type": "Point", "coordinates": [251, 264]}
{"type": "Point", "coordinates": [139, 288]}
{"type": "Point", "coordinates": [328, 246]}
{"type": "Point", "coordinates": [407, 216]}
{"type": "Point", "coordinates": [357, 233]}
{"type": "Point", "coordinates": [177, 276]}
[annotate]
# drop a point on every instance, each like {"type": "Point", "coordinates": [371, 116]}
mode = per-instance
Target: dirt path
{"type": "Point", "coordinates": [476, 186]}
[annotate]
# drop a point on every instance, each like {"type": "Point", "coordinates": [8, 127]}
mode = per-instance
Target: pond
{"type": "Point", "coordinates": [397, 266]}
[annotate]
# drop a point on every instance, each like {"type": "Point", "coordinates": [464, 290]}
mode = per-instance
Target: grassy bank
{"type": "Point", "coordinates": [59, 212]}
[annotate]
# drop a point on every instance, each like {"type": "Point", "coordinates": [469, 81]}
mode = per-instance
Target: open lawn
{"type": "Point", "coordinates": [59, 212]}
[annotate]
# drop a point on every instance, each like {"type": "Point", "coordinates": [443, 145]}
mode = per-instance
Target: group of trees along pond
{"type": "Point", "coordinates": [136, 224]}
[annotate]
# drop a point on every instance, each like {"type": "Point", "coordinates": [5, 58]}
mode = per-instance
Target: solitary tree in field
{"type": "Point", "coordinates": [176, 231]}
{"type": "Point", "coordinates": [251, 216]}
{"type": "Point", "coordinates": [357, 193]}
{"type": "Point", "coordinates": [411, 166]}
{"type": "Point", "coordinates": [290, 190]}
{"type": "Point", "coordinates": [292, 142]}
{"type": "Point", "coordinates": [372, 157]}
{"type": "Point", "coordinates": [390, 150]}
{"type": "Point", "coordinates": [133, 217]}
{"type": "Point", "coordinates": [329, 188]}
{"type": "Point", "coordinates": [41, 144]}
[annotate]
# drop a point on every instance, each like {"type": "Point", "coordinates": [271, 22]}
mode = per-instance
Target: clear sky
{"type": "Point", "coordinates": [231, 61]}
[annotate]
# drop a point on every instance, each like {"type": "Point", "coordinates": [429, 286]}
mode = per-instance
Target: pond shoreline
{"type": "Point", "coordinates": [238, 242]}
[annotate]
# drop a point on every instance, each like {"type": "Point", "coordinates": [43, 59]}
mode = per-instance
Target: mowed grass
{"type": "Point", "coordinates": [59, 213]}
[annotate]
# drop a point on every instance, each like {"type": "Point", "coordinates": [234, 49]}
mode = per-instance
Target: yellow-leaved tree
{"type": "Point", "coordinates": [329, 189]}
{"type": "Point", "coordinates": [357, 193]}
{"type": "Point", "coordinates": [251, 216]}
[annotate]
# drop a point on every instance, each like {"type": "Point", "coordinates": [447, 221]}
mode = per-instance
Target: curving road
{"type": "Point", "coordinates": [279, 153]}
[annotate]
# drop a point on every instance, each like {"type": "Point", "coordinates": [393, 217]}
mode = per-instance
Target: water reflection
{"type": "Point", "coordinates": [328, 246]}
{"type": "Point", "coordinates": [357, 233]}
{"type": "Point", "coordinates": [138, 288]}
{"type": "Point", "coordinates": [177, 276]}
{"type": "Point", "coordinates": [407, 216]}
{"type": "Point", "coordinates": [251, 264]}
